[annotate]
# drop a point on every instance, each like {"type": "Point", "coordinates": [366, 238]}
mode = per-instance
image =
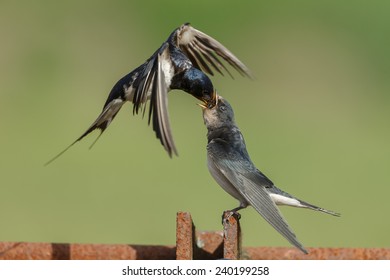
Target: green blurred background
{"type": "Point", "coordinates": [315, 120]}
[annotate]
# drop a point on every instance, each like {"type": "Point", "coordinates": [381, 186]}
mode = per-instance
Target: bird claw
{"type": "Point", "coordinates": [227, 214]}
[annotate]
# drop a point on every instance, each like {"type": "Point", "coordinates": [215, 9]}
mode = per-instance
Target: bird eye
{"type": "Point", "coordinates": [222, 108]}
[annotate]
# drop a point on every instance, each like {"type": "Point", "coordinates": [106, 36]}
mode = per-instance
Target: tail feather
{"type": "Point", "coordinates": [283, 198]}
{"type": "Point", "coordinates": [102, 122]}
{"type": "Point", "coordinates": [316, 208]}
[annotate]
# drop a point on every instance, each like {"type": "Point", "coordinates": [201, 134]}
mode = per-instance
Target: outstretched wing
{"type": "Point", "coordinates": [251, 184]}
{"type": "Point", "coordinates": [145, 82]}
{"type": "Point", "coordinates": [158, 110]}
{"type": "Point", "coordinates": [151, 84]}
{"type": "Point", "coordinates": [203, 51]}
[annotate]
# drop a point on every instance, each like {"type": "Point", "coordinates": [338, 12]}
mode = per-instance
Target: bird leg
{"type": "Point", "coordinates": [233, 212]}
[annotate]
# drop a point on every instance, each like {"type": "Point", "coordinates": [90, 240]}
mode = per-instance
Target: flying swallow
{"type": "Point", "coordinates": [231, 167]}
{"type": "Point", "coordinates": [180, 63]}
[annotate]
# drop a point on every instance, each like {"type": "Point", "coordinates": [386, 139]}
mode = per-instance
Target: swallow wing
{"type": "Point", "coordinates": [252, 185]}
{"type": "Point", "coordinates": [158, 110]}
{"type": "Point", "coordinates": [203, 51]}
{"type": "Point", "coordinates": [145, 82]}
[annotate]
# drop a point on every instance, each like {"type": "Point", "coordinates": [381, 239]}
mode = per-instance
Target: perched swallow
{"type": "Point", "coordinates": [231, 167]}
{"type": "Point", "coordinates": [179, 63]}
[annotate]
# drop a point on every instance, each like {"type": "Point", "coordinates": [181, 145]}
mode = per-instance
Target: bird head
{"type": "Point", "coordinates": [199, 85]}
{"type": "Point", "coordinates": [219, 115]}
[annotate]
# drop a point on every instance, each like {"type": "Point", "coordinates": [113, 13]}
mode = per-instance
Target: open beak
{"type": "Point", "coordinates": [209, 104]}
{"type": "Point", "coordinates": [213, 102]}
{"type": "Point", "coordinates": [202, 105]}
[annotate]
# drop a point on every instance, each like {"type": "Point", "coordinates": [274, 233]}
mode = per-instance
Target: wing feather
{"type": "Point", "coordinates": [197, 43]}
{"type": "Point", "coordinates": [150, 83]}
{"type": "Point", "coordinates": [143, 84]}
{"type": "Point", "coordinates": [159, 107]}
{"type": "Point", "coordinates": [210, 57]}
{"type": "Point", "coordinates": [199, 59]}
{"type": "Point", "coordinates": [210, 54]}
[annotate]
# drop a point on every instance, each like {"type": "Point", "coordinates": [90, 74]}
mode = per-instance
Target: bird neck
{"type": "Point", "coordinates": [191, 81]}
{"type": "Point", "coordinates": [228, 133]}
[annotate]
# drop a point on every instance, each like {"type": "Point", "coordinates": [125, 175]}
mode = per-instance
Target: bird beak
{"type": "Point", "coordinates": [209, 104]}
{"type": "Point", "coordinates": [213, 102]}
{"type": "Point", "coordinates": [202, 105]}
{"type": "Point", "coordinates": [206, 103]}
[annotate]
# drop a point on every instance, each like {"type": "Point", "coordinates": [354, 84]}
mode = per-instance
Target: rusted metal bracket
{"type": "Point", "coordinates": [190, 244]}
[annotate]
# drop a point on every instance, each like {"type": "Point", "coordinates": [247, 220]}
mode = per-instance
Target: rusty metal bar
{"type": "Point", "coordinates": [190, 244]}
{"type": "Point", "coordinates": [209, 245]}
{"type": "Point", "coordinates": [185, 232]}
{"type": "Point", "coordinates": [291, 253]}
{"type": "Point", "coordinates": [56, 251]}
{"type": "Point", "coordinates": [64, 251]}
{"type": "Point", "coordinates": [231, 236]}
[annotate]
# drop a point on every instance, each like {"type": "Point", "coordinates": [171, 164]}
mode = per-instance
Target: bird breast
{"type": "Point", "coordinates": [168, 70]}
{"type": "Point", "coordinates": [223, 181]}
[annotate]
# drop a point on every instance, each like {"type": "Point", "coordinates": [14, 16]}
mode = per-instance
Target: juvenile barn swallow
{"type": "Point", "coordinates": [231, 167]}
{"type": "Point", "coordinates": [179, 63]}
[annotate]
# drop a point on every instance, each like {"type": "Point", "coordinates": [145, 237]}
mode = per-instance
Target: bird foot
{"type": "Point", "coordinates": [227, 214]}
